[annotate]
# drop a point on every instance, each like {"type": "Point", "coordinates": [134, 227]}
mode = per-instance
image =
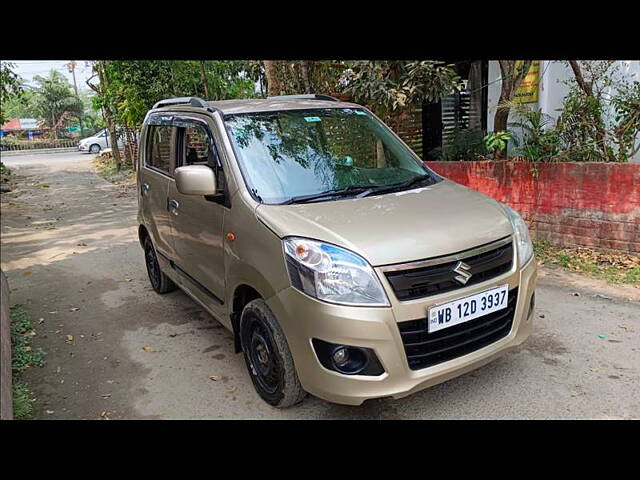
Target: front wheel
{"type": "Point", "coordinates": [95, 148]}
{"type": "Point", "coordinates": [268, 357]}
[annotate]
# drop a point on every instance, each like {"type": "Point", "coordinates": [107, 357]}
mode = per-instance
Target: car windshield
{"type": "Point", "coordinates": [320, 154]}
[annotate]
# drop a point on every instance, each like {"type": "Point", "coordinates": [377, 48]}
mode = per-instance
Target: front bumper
{"type": "Point", "coordinates": [83, 148]}
{"type": "Point", "coordinates": [304, 318]}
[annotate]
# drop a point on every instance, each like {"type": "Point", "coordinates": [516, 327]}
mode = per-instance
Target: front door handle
{"type": "Point", "coordinates": [174, 206]}
{"type": "Point", "coordinates": [144, 188]}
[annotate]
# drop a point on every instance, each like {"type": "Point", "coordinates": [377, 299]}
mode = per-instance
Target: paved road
{"type": "Point", "coordinates": [70, 251]}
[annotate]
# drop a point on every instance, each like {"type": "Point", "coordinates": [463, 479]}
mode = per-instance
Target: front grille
{"type": "Point", "coordinates": [424, 349]}
{"type": "Point", "coordinates": [422, 282]}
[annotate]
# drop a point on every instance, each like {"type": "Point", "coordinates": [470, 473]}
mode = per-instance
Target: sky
{"type": "Point", "coordinates": [28, 68]}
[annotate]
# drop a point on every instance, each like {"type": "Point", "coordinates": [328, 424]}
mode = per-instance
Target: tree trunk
{"type": "Point", "coordinates": [108, 117]}
{"type": "Point", "coordinates": [510, 82]}
{"type": "Point", "coordinates": [305, 73]}
{"type": "Point", "coordinates": [271, 70]}
{"type": "Point", "coordinates": [381, 159]}
{"type": "Point", "coordinates": [204, 80]}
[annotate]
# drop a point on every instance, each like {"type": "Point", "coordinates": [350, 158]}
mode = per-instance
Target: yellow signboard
{"type": "Point", "coordinates": [527, 91]}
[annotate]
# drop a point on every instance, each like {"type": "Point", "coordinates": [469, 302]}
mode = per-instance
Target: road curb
{"type": "Point", "coordinates": [16, 153]}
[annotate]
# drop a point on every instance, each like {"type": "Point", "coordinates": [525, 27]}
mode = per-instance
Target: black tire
{"type": "Point", "coordinates": [95, 148]}
{"type": "Point", "coordinates": [159, 281]}
{"type": "Point", "coordinates": [268, 357]}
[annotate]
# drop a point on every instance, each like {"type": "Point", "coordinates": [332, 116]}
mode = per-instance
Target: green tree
{"type": "Point", "coordinates": [10, 87]}
{"type": "Point", "coordinates": [55, 102]}
{"type": "Point", "coordinates": [389, 87]}
{"type": "Point", "coordinates": [135, 86]}
{"type": "Point", "coordinates": [288, 77]}
{"type": "Point", "coordinates": [20, 106]}
{"type": "Point", "coordinates": [600, 119]}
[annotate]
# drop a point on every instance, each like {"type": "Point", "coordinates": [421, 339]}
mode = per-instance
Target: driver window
{"type": "Point", "coordinates": [197, 149]}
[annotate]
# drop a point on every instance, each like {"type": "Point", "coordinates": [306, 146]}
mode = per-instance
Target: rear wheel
{"type": "Point", "coordinates": [159, 281]}
{"type": "Point", "coordinates": [268, 357]}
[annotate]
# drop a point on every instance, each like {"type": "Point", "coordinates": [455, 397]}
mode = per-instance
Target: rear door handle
{"type": "Point", "coordinates": [144, 188]}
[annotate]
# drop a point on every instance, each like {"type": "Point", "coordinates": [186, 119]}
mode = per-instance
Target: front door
{"type": "Point", "coordinates": [197, 221]}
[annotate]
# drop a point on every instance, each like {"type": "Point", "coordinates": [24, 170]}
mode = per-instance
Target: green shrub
{"type": "Point", "coordinates": [23, 356]}
{"type": "Point", "coordinates": [497, 141]}
{"type": "Point", "coordinates": [464, 144]}
{"type": "Point", "coordinates": [22, 404]}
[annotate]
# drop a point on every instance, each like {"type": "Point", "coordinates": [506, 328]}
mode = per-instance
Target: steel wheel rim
{"type": "Point", "coordinates": [262, 357]}
{"type": "Point", "coordinates": [152, 266]}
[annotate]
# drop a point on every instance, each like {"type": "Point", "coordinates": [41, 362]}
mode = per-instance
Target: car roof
{"type": "Point", "coordinates": [230, 107]}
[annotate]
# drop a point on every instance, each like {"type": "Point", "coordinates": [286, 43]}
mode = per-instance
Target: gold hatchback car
{"type": "Point", "coordinates": [343, 265]}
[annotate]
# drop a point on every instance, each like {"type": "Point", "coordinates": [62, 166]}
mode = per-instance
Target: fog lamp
{"type": "Point", "coordinates": [341, 356]}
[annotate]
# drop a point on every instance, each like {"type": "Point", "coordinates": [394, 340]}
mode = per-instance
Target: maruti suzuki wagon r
{"type": "Point", "coordinates": [343, 265]}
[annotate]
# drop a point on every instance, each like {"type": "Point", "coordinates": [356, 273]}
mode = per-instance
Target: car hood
{"type": "Point", "coordinates": [396, 227]}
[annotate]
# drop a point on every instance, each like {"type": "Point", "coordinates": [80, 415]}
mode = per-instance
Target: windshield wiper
{"type": "Point", "coordinates": [396, 187]}
{"type": "Point", "coordinates": [344, 192]}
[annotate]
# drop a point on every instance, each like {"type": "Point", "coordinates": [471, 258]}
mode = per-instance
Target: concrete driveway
{"type": "Point", "coordinates": [70, 252]}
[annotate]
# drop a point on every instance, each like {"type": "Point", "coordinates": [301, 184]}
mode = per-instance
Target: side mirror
{"type": "Point", "coordinates": [195, 180]}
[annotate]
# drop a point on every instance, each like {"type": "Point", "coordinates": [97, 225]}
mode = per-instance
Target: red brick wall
{"type": "Point", "coordinates": [573, 204]}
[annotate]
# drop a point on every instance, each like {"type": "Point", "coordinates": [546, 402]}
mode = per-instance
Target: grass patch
{"type": "Point", "coordinates": [23, 356]}
{"type": "Point", "coordinates": [107, 169]}
{"type": "Point", "coordinates": [4, 170]}
{"type": "Point", "coordinates": [22, 401]}
{"type": "Point", "coordinates": [615, 268]}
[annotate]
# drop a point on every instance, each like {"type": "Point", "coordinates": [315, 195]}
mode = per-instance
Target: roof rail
{"type": "Point", "coordinates": [306, 96]}
{"type": "Point", "coordinates": [193, 101]}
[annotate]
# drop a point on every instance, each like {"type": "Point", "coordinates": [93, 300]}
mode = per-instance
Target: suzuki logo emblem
{"type": "Point", "coordinates": [463, 271]}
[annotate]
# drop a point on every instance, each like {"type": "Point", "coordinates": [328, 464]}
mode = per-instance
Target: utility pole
{"type": "Point", "coordinates": [72, 69]}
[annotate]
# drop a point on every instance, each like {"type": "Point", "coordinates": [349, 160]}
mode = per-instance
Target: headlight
{"type": "Point", "coordinates": [523, 240]}
{"type": "Point", "coordinates": [331, 273]}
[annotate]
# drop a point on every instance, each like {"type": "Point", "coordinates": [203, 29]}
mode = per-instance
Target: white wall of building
{"type": "Point", "coordinates": [552, 90]}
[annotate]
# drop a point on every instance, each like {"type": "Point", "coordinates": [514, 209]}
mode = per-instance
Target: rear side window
{"type": "Point", "coordinates": [159, 152]}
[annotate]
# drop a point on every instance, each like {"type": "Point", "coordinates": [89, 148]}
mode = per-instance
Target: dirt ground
{"type": "Point", "coordinates": [71, 255]}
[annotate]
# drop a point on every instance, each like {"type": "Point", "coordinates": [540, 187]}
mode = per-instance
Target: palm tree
{"type": "Point", "coordinates": [55, 101]}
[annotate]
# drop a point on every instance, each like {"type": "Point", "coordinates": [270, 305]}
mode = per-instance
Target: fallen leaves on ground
{"type": "Point", "coordinates": [620, 260]}
{"type": "Point", "coordinates": [147, 348]}
{"type": "Point", "coordinates": [615, 267]}
{"type": "Point", "coordinates": [69, 339]}
{"type": "Point", "coordinates": [215, 378]}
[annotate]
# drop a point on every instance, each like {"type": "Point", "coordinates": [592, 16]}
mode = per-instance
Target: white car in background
{"type": "Point", "coordinates": [98, 142]}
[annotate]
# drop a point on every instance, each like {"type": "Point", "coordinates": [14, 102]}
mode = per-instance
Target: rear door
{"type": "Point", "coordinates": [155, 175]}
{"type": "Point", "coordinates": [198, 221]}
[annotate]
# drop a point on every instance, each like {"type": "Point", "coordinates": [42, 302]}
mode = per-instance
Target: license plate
{"type": "Point", "coordinates": [467, 308]}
